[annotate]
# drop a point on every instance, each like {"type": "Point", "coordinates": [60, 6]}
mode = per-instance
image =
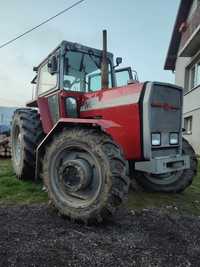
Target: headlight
{"type": "Point", "coordinates": [155, 139]}
{"type": "Point", "coordinates": [173, 138]}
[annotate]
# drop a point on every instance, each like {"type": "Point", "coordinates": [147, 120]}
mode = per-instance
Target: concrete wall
{"type": "Point", "coordinates": [181, 64]}
{"type": "Point", "coordinates": [191, 106]}
{"type": "Point", "coordinates": [194, 138]}
{"type": "Point", "coordinates": [192, 101]}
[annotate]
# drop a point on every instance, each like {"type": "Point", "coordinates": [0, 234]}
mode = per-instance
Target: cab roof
{"type": "Point", "coordinates": [65, 46]}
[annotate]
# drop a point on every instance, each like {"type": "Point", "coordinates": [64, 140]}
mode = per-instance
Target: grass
{"type": "Point", "coordinates": [185, 202]}
{"type": "Point", "coordinates": [13, 191]}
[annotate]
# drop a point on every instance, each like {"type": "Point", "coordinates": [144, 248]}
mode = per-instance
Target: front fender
{"type": "Point", "coordinates": [105, 125]}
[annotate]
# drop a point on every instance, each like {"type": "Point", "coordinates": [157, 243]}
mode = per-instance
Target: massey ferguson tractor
{"type": "Point", "coordinates": [92, 128]}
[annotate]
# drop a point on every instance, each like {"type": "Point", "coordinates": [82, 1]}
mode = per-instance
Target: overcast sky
{"type": "Point", "coordinates": [138, 30]}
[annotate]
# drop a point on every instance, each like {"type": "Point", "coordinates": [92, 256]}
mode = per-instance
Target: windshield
{"type": "Point", "coordinates": [82, 72]}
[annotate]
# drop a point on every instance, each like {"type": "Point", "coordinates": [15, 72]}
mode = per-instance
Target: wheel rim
{"type": "Point", "coordinates": [164, 179]}
{"type": "Point", "coordinates": [17, 143]}
{"type": "Point", "coordinates": [76, 176]}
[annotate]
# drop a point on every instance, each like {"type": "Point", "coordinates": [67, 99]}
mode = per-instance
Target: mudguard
{"type": "Point", "coordinates": [105, 126]}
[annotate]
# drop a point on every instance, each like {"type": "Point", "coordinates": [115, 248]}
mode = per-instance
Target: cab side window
{"type": "Point", "coordinates": [94, 81]}
{"type": "Point", "coordinates": [123, 76]}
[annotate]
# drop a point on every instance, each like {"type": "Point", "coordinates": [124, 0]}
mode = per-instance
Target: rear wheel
{"type": "Point", "coordinates": [85, 174]}
{"type": "Point", "coordinates": [170, 182]}
{"type": "Point", "coordinates": [26, 134]}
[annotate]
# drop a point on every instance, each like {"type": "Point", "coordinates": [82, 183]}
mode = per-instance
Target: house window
{"type": "Point", "coordinates": [198, 73]}
{"type": "Point", "coordinates": [193, 76]}
{"type": "Point", "coordinates": [188, 125]}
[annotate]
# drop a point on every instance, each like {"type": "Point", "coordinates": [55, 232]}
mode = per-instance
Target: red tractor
{"type": "Point", "coordinates": [92, 127]}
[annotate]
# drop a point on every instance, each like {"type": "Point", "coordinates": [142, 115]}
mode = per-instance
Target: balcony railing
{"type": "Point", "coordinates": [192, 25]}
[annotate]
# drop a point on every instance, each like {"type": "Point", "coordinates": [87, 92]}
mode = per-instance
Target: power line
{"type": "Point", "coordinates": [39, 25]}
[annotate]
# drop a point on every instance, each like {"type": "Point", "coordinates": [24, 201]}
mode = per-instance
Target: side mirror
{"type": "Point", "coordinates": [35, 69]}
{"type": "Point", "coordinates": [118, 61]}
{"type": "Point", "coordinates": [53, 65]}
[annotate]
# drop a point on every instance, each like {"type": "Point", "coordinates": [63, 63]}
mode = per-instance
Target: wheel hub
{"type": "Point", "coordinates": [75, 175]}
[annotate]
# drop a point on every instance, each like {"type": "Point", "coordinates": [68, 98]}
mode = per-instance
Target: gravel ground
{"type": "Point", "coordinates": [36, 236]}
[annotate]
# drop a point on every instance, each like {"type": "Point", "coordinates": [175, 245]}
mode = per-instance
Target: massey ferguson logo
{"type": "Point", "coordinates": [164, 106]}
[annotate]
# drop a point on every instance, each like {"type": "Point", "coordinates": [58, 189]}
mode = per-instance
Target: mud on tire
{"type": "Point", "coordinates": [26, 134]}
{"type": "Point", "coordinates": [101, 190]}
{"type": "Point", "coordinates": [179, 181]}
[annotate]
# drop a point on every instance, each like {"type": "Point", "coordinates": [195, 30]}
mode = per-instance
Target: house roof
{"type": "Point", "coordinates": [182, 15]}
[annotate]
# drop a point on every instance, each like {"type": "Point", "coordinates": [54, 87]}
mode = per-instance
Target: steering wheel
{"type": "Point", "coordinates": [77, 80]}
{"type": "Point", "coordinates": [69, 84]}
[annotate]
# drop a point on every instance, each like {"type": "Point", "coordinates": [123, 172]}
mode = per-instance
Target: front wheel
{"type": "Point", "coordinates": [85, 174]}
{"type": "Point", "coordinates": [173, 182]}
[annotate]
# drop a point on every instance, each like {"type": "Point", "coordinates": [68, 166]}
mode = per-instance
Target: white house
{"type": "Point", "coordinates": [183, 57]}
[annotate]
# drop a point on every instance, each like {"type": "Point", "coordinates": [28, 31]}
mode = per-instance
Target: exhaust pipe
{"type": "Point", "coordinates": [104, 63]}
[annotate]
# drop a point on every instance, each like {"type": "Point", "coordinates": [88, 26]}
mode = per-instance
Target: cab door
{"type": "Point", "coordinates": [48, 96]}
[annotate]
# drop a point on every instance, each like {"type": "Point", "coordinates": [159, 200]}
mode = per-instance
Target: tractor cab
{"type": "Point", "coordinates": [74, 67]}
{"type": "Point", "coordinates": [71, 71]}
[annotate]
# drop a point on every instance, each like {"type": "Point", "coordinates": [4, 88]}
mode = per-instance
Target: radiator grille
{"type": "Point", "coordinates": [166, 117]}
{"type": "Point", "coordinates": [166, 110]}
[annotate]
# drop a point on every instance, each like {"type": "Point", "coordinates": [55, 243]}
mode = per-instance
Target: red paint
{"type": "Point", "coordinates": [105, 124]}
{"type": "Point", "coordinates": [127, 135]}
{"type": "Point", "coordinates": [45, 114]}
{"type": "Point", "coordinates": [122, 122]}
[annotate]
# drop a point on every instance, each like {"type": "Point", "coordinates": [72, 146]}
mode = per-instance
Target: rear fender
{"type": "Point", "coordinates": [104, 125]}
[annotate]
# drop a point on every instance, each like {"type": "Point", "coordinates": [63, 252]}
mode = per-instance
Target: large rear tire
{"type": "Point", "coordinates": [174, 182]}
{"type": "Point", "coordinates": [26, 134]}
{"type": "Point", "coordinates": [85, 174]}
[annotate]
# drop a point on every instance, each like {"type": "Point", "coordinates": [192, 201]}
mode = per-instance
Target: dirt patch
{"type": "Point", "coordinates": [36, 236]}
